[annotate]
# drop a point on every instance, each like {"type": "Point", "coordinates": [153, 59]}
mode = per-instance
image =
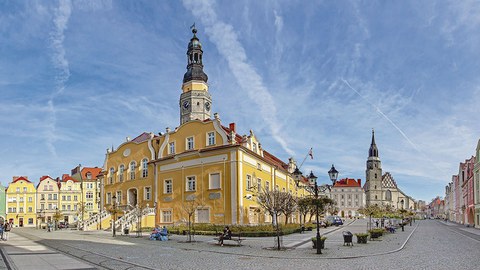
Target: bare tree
{"type": "Point", "coordinates": [289, 205]}
{"type": "Point", "coordinates": [190, 206]}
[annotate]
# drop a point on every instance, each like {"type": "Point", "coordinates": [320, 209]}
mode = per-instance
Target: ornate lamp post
{"type": "Point", "coordinates": [114, 214]}
{"type": "Point", "coordinates": [315, 189]}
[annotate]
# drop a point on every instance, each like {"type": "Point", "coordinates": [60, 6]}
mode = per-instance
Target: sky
{"type": "Point", "coordinates": [78, 77]}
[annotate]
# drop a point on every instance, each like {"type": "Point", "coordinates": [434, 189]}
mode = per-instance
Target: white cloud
{"type": "Point", "coordinates": [226, 40]}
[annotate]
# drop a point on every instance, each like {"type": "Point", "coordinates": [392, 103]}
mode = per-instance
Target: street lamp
{"type": "Point", "coordinates": [114, 214]}
{"type": "Point", "coordinates": [403, 228]}
{"type": "Point", "coordinates": [314, 188]}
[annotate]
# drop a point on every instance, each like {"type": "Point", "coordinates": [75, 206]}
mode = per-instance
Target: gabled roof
{"type": "Point", "coordinates": [388, 181]}
{"type": "Point", "coordinates": [21, 178]}
{"type": "Point", "coordinates": [348, 182]}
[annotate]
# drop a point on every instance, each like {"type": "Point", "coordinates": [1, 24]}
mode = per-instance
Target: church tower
{"type": "Point", "coordinates": [373, 181]}
{"type": "Point", "coordinates": [195, 101]}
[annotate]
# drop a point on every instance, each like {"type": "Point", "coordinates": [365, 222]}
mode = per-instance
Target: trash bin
{"type": "Point", "coordinates": [347, 238]}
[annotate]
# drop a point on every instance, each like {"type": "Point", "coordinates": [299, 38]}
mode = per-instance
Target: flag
{"type": "Point", "coordinates": [193, 26]}
{"type": "Point", "coordinates": [310, 153]}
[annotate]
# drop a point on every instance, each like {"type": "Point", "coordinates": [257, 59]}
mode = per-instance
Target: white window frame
{"type": "Point", "coordinates": [119, 196]}
{"type": "Point", "coordinates": [121, 171]}
{"type": "Point", "coordinates": [166, 215]}
{"type": "Point", "coordinates": [144, 168]}
{"type": "Point", "coordinates": [190, 143]}
{"type": "Point", "coordinates": [211, 183]}
{"type": "Point", "coordinates": [166, 184]}
{"type": "Point", "coordinates": [108, 198]}
{"type": "Point", "coordinates": [171, 148]}
{"type": "Point", "coordinates": [132, 167]}
{"type": "Point", "coordinates": [210, 138]}
{"type": "Point", "coordinates": [111, 175]}
{"type": "Point", "coordinates": [190, 183]}
{"type": "Point", "coordinates": [249, 181]}
{"type": "Point", "coordinates": [147, 193]}
{"type": "Point", "coordinates": [259, 184]}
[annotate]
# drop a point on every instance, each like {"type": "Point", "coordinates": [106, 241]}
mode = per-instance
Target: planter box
{"type": "Point", "coordinates": [362, 239]}
{"type": "Point", "coordinates": [322, 243]}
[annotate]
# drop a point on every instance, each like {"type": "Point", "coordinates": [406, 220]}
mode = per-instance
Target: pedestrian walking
{"type": "Point", "coordinates": [6, 230]}
{"type": "Point", "coordinates": [1, 231]}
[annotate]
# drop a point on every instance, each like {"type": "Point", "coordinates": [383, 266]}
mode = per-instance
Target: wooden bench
{"type": "Point", "coordinates": [236, 239]}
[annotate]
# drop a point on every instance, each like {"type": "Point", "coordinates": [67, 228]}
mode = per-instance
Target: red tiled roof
{"type": "Point", "coordinates": [67, 177]}
{"type": "Point", "coordinates": [94, 171]}
{"type": "Point", "coordinates": [21, 178]}
{"type": "Point", "coordinates": [274, 160]}
{"type": "Point", "coordinates": [348, 182]}
{"type": "Point", "coordinates": [44, 177]}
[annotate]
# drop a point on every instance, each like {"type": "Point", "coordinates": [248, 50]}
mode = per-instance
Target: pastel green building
{"type": "Point", "coordinates": [3, 205]}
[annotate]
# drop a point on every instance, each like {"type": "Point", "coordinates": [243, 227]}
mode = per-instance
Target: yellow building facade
{"type": "Point", "coordinates": [47, 200]}
{"type": "Point", "coordinates": [21, 202]}
{"type": "Point", "coordinates": [201, 170]}
{"type": "Point", "coordinates": [69, 199]}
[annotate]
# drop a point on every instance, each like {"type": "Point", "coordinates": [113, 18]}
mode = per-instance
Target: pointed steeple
{"type": "Point", "coordinates": [373, 151]}
{"type": "Point", "coordinates": [194, 59]}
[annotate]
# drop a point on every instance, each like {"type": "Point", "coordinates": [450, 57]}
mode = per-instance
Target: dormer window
{"type": "Point", "coordinates": [89, 175]}
{"type": "Point", "coordinates": [254, 147]}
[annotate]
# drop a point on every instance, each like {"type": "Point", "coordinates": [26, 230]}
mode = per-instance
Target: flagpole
{"type": "Point", "coordinates": [308, 154]}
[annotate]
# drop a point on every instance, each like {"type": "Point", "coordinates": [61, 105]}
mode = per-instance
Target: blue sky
{"type": "Point", "coordinates": [77, 77]}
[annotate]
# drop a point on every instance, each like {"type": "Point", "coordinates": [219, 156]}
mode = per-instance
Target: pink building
{"type": "Point", "coordinates": [468, 205]}
{"type": "Point", "coordinates": [457, 203]}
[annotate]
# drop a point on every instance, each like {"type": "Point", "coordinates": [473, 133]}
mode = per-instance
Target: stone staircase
{"type": "Point", "coordinates": [130, 218]}
{"type": "Point", "coordinates": [93, 222]}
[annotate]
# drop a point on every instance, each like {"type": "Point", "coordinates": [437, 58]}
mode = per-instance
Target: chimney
{"type": "Point", "coordinates": [232, 127]}
{"type": "Point", "coordinates": [359, 182]}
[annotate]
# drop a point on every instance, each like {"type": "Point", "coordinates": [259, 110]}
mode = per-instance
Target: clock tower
{"type": "Point", "coordinates": [373, 181]}
{"type": "Point", "coordinates": [195, 100]}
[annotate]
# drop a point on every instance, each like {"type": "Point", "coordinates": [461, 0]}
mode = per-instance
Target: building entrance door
{"type": "Point", "coordinates": [132, 197]}
{"type": "Point", "coordinates": [20, 222]}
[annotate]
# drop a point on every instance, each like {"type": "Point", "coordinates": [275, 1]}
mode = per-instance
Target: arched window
{"type": "Point", "coordinates": [132, 170]}
{"type": "Point", "coordinates": [388, 195]}
{"type": "Point", "coordinates": [144, 167]}
{"type": "Point", "coordinates": [112, 173]}
{"type": "Point", "coordinates": [121, 171]}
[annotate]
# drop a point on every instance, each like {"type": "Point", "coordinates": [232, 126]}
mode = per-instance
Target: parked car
{"type": "Point", "coordinates": [334, 220]}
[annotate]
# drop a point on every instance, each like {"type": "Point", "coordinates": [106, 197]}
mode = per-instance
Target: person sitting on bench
{"type": "Point", "coordinates": [227, 235]}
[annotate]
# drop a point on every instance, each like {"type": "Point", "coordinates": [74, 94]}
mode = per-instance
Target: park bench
{"type": "Point", "coordinates": [235, 238]}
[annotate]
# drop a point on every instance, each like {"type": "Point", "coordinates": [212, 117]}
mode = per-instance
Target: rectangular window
{"type": "Point", "coordinates": [14, 209]}
{"type": "Point", "coordinates": [75, 207]}
{"type": "Point", "coordinates": [203, 216]}
{"type": "Point", "coordinates": [54, 196]}
{"type": "Point", "coordinates": [167, 187]}
{"type": "Point", "coordinates": [42, 206]}
{"type": "Point", "coordinates": [30, 199]}
{"type": "Point", "coordinates": [147, 193]}
{"type": "Point", "coordinates": [69, 207]}
{"type": "Point", "coordinates": [30, 221]}
{"type": "Point", "coordinates": [109, 198]}
{"type": "Point", "coordinates": [267, 185]}
{"type": "Point", "coordinates": [63, 207]}
{"type": "Point", "coordinates": [259, 184]}
{"type": "Point", "coordinates": [214, 181]}
{"type": "Point", "coordinates": [254, 147]}
{"type": "Point", "coordinates": [211, 138]}
{"type": "Point", "coordinates": [166, 216]}
{"type": "Point", "coordinates": [75, 198]}
{"type": "Point", "coordinates": [249, 182]}
{"type": "Point", "coordinates": [30, 210]}
{"type": "Point", "coordinates": [119, 197]}
{"type": "Point", "coordinates": [18, 190]}
{"type": "Point", "coordinates": [63, 197]}
{"type": "Point", "coordinates": [49, 196]}
{"type": "Point", "coordinates": [171, 148]}
{"type": "Point", "coordinates": [190, 143]}
{"type": "Point", "coordinates": [49, 206]}
{"type": "Point", "coordinates": [20, 210]}
{"type": "Point", "coordinates": [191, 183]}
{"type": "Point", "coordinates": [21, 199]}
{"type": "Point", "coordinates": [69, 198]}
{"type": "Point", "coordinates": [24, 189]}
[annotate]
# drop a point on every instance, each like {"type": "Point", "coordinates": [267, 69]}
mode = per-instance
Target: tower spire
{"type": "Point", "coordinates": [373, 151]}
{"type": "Point", "coordinates": [194, 60]}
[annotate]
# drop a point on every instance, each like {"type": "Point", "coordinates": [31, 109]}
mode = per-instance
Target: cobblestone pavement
{"type": "Point", "coordinates": [427, 244]}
